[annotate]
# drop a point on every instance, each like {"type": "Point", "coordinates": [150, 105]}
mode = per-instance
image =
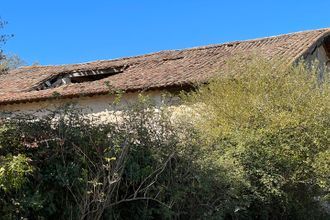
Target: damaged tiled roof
{"type": "Point", "coordinates": [175, 68]}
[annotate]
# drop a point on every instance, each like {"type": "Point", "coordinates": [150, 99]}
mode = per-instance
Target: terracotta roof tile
{"type": "Point", "coordinates": [151, 71]}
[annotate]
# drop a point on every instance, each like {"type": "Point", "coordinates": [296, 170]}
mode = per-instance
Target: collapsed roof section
{"type": "Point", "coordinates": [162, 70]}
{"type": "Point", "coordinates": [78, 77]}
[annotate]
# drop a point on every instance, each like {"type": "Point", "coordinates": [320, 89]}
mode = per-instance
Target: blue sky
{"type": "Point", "coordinates": [72, 31]}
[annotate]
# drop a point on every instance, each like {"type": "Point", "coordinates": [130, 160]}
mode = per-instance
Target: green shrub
{"type": "Point", "coordinates": [271, 122]}
{"type": "Point", "coordinates": [141, 166]}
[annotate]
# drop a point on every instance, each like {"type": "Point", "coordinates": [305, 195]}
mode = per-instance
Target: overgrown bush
{"type": "Point", "coordinates": [141, 166]}
{"type": "Point", "coordinates": [272, 123]}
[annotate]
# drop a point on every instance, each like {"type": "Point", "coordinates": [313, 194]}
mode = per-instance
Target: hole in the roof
{"type": "Point", "coordinates": [232, 44]}
{"type": "Point", "coordinates": [80, 76]}
{"type": "Point", "coordinates": [173, 58]}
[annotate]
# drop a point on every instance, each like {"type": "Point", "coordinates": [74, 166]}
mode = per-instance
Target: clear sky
{"type": "Point", "coordinates": [74, 31]}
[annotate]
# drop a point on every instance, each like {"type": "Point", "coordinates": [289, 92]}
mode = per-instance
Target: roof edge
{"type": "Point", "coordinates": [181, 49]}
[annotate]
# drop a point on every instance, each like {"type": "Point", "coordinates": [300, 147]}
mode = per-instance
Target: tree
{"type": "Point", "coordinates": [10, 62]}
{"type": "Point", "coordinates": [7, 62]}
{"type": "Point", "coordinates": [3, 37]}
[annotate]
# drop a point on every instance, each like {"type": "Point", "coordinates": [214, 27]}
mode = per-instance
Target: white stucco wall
{"type": "Point", "coordinates": [101, 106]}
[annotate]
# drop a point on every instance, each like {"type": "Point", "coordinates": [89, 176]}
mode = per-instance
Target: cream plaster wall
{"type": "Point", "coordinates": [101, 106]}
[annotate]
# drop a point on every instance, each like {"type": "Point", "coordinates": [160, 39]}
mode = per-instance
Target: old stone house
{"type": "Point", "coordinates": [32, 88]}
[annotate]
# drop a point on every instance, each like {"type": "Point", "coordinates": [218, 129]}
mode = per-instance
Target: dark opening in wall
{"type": "Point", "coordinates": [326, 46]}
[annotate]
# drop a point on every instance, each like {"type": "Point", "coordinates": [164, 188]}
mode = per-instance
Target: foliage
{"type": "Point", "coordinates": [10, 62]}
{"type": "Point", "coordinates": [272, 123]}
{"type": "Point", "coordinates": [3, 37]}
{"type": "Point", "coordinates": [14, 171]}
{"type": "Point", "coordinates": [7, 62]}
{"type": "Point", "coordinates": [138, 165]}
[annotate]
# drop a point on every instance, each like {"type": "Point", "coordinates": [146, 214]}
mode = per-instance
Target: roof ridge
{"type": "Point", "coordinates": [256, 39]}
{"type": "Point", "coordinates": [178, 50]}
